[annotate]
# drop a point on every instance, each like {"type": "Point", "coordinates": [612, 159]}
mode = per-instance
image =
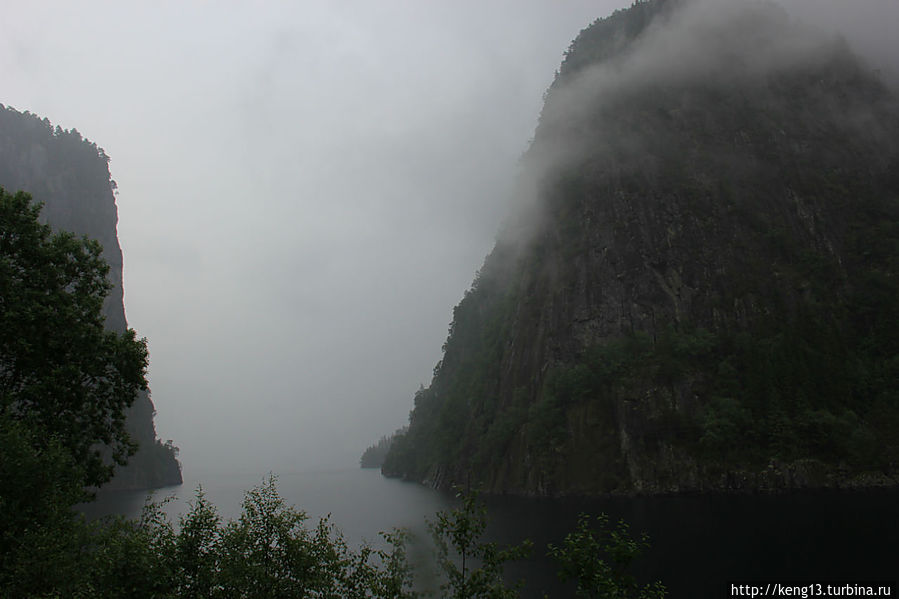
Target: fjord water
{"type": "Point", "coordinates": [699, 542]}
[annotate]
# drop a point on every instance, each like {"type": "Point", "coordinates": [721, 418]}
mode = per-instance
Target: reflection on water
{"type": "Point", "coordinates": [698, 542]}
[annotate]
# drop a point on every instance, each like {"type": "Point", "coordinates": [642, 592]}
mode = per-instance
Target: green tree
{"type": "Point", "coordinates": [598, 559]}
{"type": "Point", "coordinates": [472, 568]}
{"type": "Point", "coordinates": [270, 552]}
{"type": "Point", "coordinates": [65, 384]}
{"type": "Point", "coordinates": [38, 533]}
{"type": "Point", "coordinates": [63, 377]}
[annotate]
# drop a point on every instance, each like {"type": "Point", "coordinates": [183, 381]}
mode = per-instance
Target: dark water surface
{"type": "Point", "coordinates": [699, 542]}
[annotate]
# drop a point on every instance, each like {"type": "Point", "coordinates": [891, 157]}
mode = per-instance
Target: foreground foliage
{"type": "Point", "coordinates": [63, 377]}
{"type": "Point", "coordinates": [271, 551]}
{"type": "Point", "coordinates": [65, 386]}
{"type": "Point", "coordinates": [598, 560]}
{"type": "Point", "coordinates": [471, 567]}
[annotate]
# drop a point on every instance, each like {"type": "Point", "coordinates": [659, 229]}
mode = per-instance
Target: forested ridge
{"type": "Point", "coordinates": [698, 289]}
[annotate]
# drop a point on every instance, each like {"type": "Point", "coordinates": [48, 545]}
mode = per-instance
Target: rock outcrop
{"type": "Point", "coordinates": [700, 288]}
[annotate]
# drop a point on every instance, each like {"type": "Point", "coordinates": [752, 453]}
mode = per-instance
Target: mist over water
{"type": "Point", "coordinates": [360, 502]}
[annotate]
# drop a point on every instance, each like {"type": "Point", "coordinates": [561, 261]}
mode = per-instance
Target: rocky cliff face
{"type": "Point", "coordinates": [70, 176]}
{"type": "Point", "coordinates": [699, 290]}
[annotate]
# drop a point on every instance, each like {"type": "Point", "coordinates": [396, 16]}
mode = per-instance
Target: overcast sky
{"type": "Point", "coordinates": [306, 189]}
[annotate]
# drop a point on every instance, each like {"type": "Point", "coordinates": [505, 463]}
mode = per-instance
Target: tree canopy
{"type": "Point", "coordinates": [63, 378]}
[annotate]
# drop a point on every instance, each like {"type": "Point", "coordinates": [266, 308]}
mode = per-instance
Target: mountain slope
{"type": "Point", "coordinates": [70, 175]}
{"type": "Point", "coordinates": [699, 289]}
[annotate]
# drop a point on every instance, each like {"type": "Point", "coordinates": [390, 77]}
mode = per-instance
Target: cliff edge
{"type": "Point", "coordinates": [699, 287]}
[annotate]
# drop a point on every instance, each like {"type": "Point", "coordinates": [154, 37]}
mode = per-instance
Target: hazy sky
{"type": "Point", "coordinates": [306, 189]}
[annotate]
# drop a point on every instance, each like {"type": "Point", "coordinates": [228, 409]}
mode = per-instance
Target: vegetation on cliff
{"type": "Point", "coordinates": [703, 292]}
{"type": "Point", "coordinates": [374, 455]}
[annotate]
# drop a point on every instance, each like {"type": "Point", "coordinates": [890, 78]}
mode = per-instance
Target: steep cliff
{"type": "Point", "coordinates": [70, 175]}
{"type": "Point", "coordinates": [698, 289]}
